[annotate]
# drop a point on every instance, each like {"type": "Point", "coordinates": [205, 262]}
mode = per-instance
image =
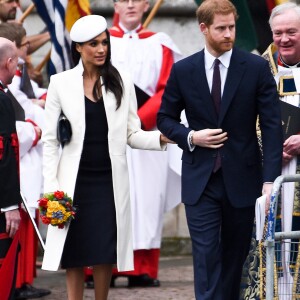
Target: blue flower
{"type": "Point", "coordinates": [58, 215]}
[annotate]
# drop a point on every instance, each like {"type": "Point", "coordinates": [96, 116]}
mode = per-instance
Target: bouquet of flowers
{"type": "Point", "coordinates": [56, 209]}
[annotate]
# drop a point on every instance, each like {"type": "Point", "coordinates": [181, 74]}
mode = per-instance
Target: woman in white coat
{"type": "Point", "coordinates": [100, 104]}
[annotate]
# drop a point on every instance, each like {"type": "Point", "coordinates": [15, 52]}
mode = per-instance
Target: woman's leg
{"type": "Point", "coordinates": [75, 283]}
{"type": "Point", "coordinates": [102, 277]}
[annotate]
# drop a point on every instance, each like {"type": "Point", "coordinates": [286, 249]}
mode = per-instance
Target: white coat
{"type": "Point", "coordinates": [66, 93]}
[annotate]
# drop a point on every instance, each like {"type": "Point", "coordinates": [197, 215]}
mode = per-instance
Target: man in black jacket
{"type": "Point", "coordinates": [9, 179]}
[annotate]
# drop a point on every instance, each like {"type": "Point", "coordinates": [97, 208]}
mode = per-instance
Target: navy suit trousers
{"type": "Point", "coordinates": [221, 236]}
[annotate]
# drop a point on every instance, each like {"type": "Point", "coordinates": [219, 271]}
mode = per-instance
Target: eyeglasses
{"type": "Point", "coordinates": [127, 1]}
{"type": "Point", "coordinates": [26, 44]}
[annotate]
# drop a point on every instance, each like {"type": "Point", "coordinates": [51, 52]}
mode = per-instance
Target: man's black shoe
{"type": "Point", "coordinates": [27, 291]}
{"type": "Point", "coordinates": [142, 281]}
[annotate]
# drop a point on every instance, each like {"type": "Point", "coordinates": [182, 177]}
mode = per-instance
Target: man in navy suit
{"type": "Point", "coordinates": [222, 167]}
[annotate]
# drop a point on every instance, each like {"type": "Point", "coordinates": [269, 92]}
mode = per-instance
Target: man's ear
{"type": "Point", "coordinates": [147, 5]}
{"type": "Point", "coordinates": [203, 28]}
{"type": "Point", "coordinates": [8, 63]}
{"type": "Point", "coordinates": [116, 7]}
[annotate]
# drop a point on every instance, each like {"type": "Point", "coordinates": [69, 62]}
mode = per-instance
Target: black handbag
{"type": "Point", "coordinates": [64, 130]}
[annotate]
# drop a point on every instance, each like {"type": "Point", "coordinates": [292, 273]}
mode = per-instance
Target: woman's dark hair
{"type": "Point", "coordinates": [111, 77]}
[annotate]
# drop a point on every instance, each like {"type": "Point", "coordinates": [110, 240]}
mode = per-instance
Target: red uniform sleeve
{"type": "Point", "coordinates": [148, 111]}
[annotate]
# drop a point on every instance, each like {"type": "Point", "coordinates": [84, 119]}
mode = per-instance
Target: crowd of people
{"type": "Point", "coordinates": [131, 92]}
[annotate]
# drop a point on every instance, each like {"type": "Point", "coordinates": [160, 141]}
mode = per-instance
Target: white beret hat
{"type": "Point", "coordinates": [87, 27]}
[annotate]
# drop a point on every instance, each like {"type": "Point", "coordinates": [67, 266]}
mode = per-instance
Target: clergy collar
{"type": "Point", "coordinates": [283, 64]}
{"type": "Point", "coordinates": [126, 31]}
{"type": "Point", "coordinates": [210, 59]}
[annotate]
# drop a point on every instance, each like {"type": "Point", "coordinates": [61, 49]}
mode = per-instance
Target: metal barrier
{"type": "Point", "coordinates": [275, 245]}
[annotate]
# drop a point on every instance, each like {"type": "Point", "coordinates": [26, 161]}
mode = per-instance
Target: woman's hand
{"type": "Point", "coordinates": [164, 140]}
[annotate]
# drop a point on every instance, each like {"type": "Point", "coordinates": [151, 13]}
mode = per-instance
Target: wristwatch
{"type": "Point", "coordinates": [191, 138]}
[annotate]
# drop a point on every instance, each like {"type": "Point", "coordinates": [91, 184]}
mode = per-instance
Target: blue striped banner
{"type": "Point", "coordinates": [53, 13]}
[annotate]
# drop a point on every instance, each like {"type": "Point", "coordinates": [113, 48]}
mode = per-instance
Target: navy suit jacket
{"type": "Point", "coordinates": [250, 91]}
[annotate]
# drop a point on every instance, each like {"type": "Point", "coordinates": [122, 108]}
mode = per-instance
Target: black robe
{"type": "Point", "coordinates": [9, 178]}
{"type": "Point", "coordinates": [9, 193]}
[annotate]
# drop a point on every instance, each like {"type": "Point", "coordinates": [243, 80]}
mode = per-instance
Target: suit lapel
{"type": "Point", "coordinates": [235, 73]}
{"type": "Point", "coordinates": [201, 85]}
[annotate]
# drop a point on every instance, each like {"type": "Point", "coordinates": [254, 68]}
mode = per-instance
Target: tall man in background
{"type": "Point", "coordinates": [222, 90]}
{"type": "Point", "coordinates": [9, 182]}
{"type": "Point", "coordinates": [148, 56]}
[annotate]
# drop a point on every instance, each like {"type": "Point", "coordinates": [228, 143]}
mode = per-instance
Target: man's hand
{"type": "Point", "coordinates": [291, 148]}
{"type": "Point", "coordinates": [39, 102]}
{"type": "Point", "coordinates": [267, 190]}
{"type": "Point", "coordinates": [12, 221]}
{"type": "Point", "coordinates": [38, 131]}
{"type": "Point", "coordinates": [292, 145]}
{"type": "Point", "coordinates": [209, 138]}
{"type": "Point", "coordinates": [286, 158]}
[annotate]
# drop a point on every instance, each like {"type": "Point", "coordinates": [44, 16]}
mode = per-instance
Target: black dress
{"type": "Point", "coordinates": [91, 239]}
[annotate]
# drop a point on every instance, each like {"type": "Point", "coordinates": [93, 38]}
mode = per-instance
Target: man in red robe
{"type": "Point", "coordinates": [148, 57]}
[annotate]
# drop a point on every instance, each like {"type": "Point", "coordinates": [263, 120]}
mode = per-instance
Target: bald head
{"type": "Point", "coordinates": [8, 60]}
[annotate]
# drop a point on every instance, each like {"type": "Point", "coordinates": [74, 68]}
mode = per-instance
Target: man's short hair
{"type": "Point", "coordinates": [279, 9]}
{"type": "Point", "coordinates": [13, 31]}
{"type": "Point", "coordinates": [209, 8]}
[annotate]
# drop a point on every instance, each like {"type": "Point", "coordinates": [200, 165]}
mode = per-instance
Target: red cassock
{"type": "Point", "coordinates": [148, 57]}
{"type": "Point", "coordinates": [27, 255]}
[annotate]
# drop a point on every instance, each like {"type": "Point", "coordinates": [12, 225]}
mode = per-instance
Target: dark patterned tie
{"type": "Point", "coordinates": [216, 96]}
{"type": "Point", "coordinates": [216, 87]}
{"type": "Point", "coordinates": [25, 85]}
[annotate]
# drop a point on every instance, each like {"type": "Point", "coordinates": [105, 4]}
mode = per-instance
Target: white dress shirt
{"type": "Point", "coordinates": [209, 61]}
